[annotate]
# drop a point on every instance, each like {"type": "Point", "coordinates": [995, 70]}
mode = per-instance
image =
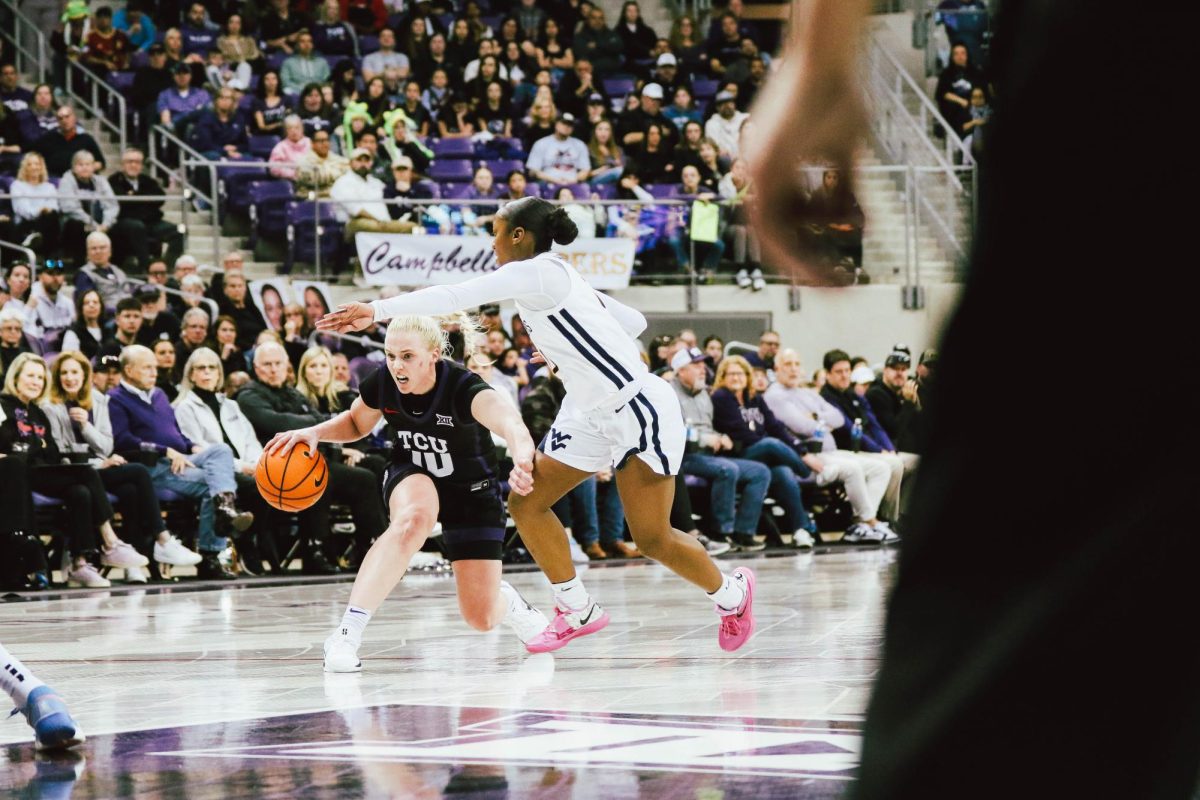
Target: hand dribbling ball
{"type": "Point", "coordinates": [292, 480]}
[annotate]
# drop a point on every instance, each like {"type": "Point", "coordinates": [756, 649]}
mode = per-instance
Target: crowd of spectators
{"type": "Point", "coordinates": [552, 95]}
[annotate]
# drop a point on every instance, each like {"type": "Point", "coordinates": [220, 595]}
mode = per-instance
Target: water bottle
{"type": "Point", "coordinates": [856, 435]}
{"type": "Point", "coordinates": [693, 438]}
{"type": "Point", "coordinates": [817, 443]}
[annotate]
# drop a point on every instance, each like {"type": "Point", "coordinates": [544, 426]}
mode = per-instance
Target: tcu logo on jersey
{"type": "Point", "coordinates": [428, 452]}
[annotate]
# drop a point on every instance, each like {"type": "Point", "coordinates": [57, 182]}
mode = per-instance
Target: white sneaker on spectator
{"type": "Point", "coordinates": [122, 555]}
{"type": "Point", "coordinates": [85, 575]}
{"type": "Point", "coordinates": [885, 530]}
{"type": "Point", "coordinates": [577, 554]}
{"type": "Point", "coordinates": [171, 551]}
{"type": "Point", "coordinates": [803, 539]}
{"type": "Point", "coordinates": [757, 281]}
{"type": "Point", "coordinates": [743, 279]}
{"type": "Point", "coordinates": [714, 548]}
{"type": "Point", "coordinates": [862, 533]}
{"type": "Point", "coordinates": [135, 575]}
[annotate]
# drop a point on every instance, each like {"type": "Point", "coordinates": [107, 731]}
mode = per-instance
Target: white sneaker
{"type": "Point", "coordinates": [577, 554]}
{"type": "Point", "coordinates": [742, 279]}
{"type": "Point", "coordinates": [885, 530]}
{"type": "Point", "coordinates": [714, 548]}
{"type": "Point", "coordinates": [803, 539]}
{"type": "Point", "coordinates": [862, 533]}
{"type": "Point", "coordinates": [757, 281]}
{"type": "Point", "coordinates": [85, 575]}
{"type": "Point", "coordinates": [174, 553]}
{"type": "Point", "coordinates": [122, 555]}
{"type": "Point", "coordinates": [525, 620]}
{"type": "Point", "coordinates": [341, 655]}
{"type": "Point", "coordinates": [135, 575]}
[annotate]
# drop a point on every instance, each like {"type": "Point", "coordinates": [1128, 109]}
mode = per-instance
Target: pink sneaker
{"type": "Point", "coordinates": [737, 626]}
{"type": "Point", "coordinates": [568, 625]}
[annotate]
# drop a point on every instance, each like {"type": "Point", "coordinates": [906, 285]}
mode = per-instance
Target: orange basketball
{"type": "Point", "coordinates": [294, 480]}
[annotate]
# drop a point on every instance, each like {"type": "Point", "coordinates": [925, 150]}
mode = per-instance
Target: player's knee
{"type": "Point", "coordinates": [652, 544]}
{"type": "Point", "coordinates": [410, 526]}
{"type": "Point", "coordinates": [521, 506]}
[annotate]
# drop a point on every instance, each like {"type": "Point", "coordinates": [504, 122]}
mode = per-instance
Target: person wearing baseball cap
{"type": "Point", "coordinates": [360, 199]}
{"type": "Point", "coordinates": [725, 127]}
{"type": "Point", "coordinates": [632, 125]}
{"type": "Point", "coordinates": [885, 394]}
{"type": "Point", "coordinates": [560, 159]}
{"type": "Point", "coordinates": [666, 74]}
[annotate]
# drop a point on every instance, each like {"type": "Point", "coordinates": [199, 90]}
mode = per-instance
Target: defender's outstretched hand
{"type": "Point", "coordinates": [348, 317]}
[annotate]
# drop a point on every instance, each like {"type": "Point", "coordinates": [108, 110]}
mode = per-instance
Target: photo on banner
{"type": "Point", "coordinates": [270, 296]}
{"type": "Point", "coordinates": [314, 297]}
{"type": "Point", "coordinates": [399, 259]}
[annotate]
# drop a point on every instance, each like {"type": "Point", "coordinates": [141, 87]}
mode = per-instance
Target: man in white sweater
{"type": "Point", "coordinates": [802, 410]}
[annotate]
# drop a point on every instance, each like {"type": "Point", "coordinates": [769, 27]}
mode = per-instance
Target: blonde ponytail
{"type": "Point", "coordinates": [432, 331]}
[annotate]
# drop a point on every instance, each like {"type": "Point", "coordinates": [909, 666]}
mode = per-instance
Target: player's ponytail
{"type": "Point", "coordinates": [549, 224]}
{"type": "Point", "coordinates": [432, 331]}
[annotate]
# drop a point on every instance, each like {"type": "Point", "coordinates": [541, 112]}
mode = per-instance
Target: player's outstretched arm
{"type": "Point", "coordinates": [348, 426]}
{"type": "Point", "coordinates": [502, 418]}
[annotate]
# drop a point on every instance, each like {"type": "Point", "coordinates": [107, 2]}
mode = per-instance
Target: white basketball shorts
{"type": "Point", "coordinates": [649, 426]}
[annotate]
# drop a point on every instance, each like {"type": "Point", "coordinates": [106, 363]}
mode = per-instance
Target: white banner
{"type": "Point", "coordinates": [400, 259]}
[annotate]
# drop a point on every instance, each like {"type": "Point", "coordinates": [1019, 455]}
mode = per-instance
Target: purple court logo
{"type": "Point", "coordinates": [826, 750]}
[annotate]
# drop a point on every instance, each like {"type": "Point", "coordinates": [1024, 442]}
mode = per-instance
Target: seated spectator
{"type": "Point", "coordinates": [552, 48]}
{"type": "Point", "coordinates": [144, 422]}
{"type": "Point", "coordinates": [220, 133]}
{"type": "Point", "coordinates": [462, 43]}
{"type": "Point", "coordinates": [607, 157]}
{"type": "Point", "coordinates": [270, 107]}
{"type": "Point", "coordinates": [709, 166]}
{"type": "Point", "coordinates": [143, 220]}
{"type": "Point", "coordinates": [233, 359]}
{"type": "Point", "coordinates": [714, 352]}
{"type": "Point", "coordinates": [955, 85]}
{"type": "Point", "coordinates": [17, 288]}
{"type": "Point", "coordinates": [157, 322]}
{"type": "Point", "coordinates": [886, 395]}
{"type": "Point", "coordinates": [652, 155]}
{"type": "Point", "coordinates": [415, 110]}
{"type": "Point", "coordinates": [725, 49]}
{"type": "Point", "coordinates": [69, 40]}
{"type": "Point", "coordinates": [586, 219]}
{"type": "Point", "coordinates": [724, 128]}
{"type": "Point", "coordinates": [735, 189]}
{"type": "Point", "coordinates": [291, 149]}
{"type": "Point", "coordinates": [315, 112]}
{"type": "Point", "coordinates": [149, 82]}
{"type": "Point", "coordinates": [303, 67]}
{"type": "Point", "coordinates": [234, 302]}
{"type": "Point", "coordinates": [179, 105]}
{"type": "Point", "coordinates": [173, 45]}
{"type": "Point", "coordinates": [136, 24]}
{"type": "Point", "coordinates": [35, 206]}
{"type": "Point", "coordinates": [577, 87]}
{"type": "Point", "coordinates": [220, 74]}
{"type": "Point", "coordinates": [88, 206]}
{"type": "Point", "coordinates": [13, 96]}
{"type": "Point", "coordinates": [359, 195]}
{"type": "Point", "coordinates": [861, 431]}
{"type": "Point", "coordinates": [79, 423]}
{"type": "Point", "coordinates": [540, 124]}
{"type": "Point", "coordinates": [682, 109]}
{"type": "Point", "coordinates": [836, 221]}
{"type": "Point", "coordinates": [194, 333]}
{"type": "Point", "coordinates": [740, 413]}
{"type": "Point", "coordinates": [637, 37]}
{"type": "Point", "coordinates": [688, 150]}
{"type": "Point", "coordinates": [488, 47]}
{"type": "Point", "coordinates": [492, 114]}
{"type": "Point", "coordinates": [380, 168]}
{"type": "Point", "coordinates": [377, 101]}
{"type": "Point", "coordinates": [238, 49]}
{"type": "Point", "coordinates": [634, 125]}
{"type": "Point", "coordinates": [199, 34]}
{"type": "Point", "coordinates": [296, 332]}
{"type": "Point", "coordinates": [108, 49]}
{"type": "Point", "coordinates": [51, 308]}
{"type": "Point", "coordinates": [128, 321]}
{"type": "Point", "coordinates": [88, 333]}
{"type": "Point", "coordinates": [87, 511]}
{"type": "Point", "coordinates": [768, 347]}
{"type": "Point", "coordinates": [752, 84]}
{"type": "Point", "coordinates": [477, 219]}
{"type": "Point", "coordinates": [332, 36]}
{"type": "Point", "coordinates": [736, 521]}
{"type": "Point", "coordinates": [560, 159]}
{"type": "Point", "coordinates": [164, 358]}
{"type": "Point", "coordinates": [386, 56]}
{"type": "Point", "coordinates": [405, 186]}
{"type": "Point", "coordinates": [457, 121]}
{"type": "Point", "coordinates": [279, 26]}
{"type": "Point", "coordinates": [272, 407]}
{"type": "Point", "coordinates": [320, 169]}
{"type": "Point", "coordinates": [10, 141]}
{"type": "Point", "coordinates": [517, 184]}
{"type": "Point", "coordinates": [193, 292]}
{"type": "Point", "coordinates": [599, 44]}
{"type": "Point", "coordinates": [99, 273]}
{"type": "Point", "coordinates": [708, 254]}
{"type": "Point", "coordinates": [40, 118]}
{"type": "Point", "coordinates": [595, 112]}
{"type": "Point", "coordinates": [58, 147]}
{"type": "Point", "coordinates": [12, 337]}
{"type": "Point", "coordinates": [811, 417]}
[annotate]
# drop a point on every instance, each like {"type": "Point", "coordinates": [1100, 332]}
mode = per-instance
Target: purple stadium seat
{"type": "Point", "coordinates": [268, 208]}
{"type": "Point", "coordinates": [607, 191]}
{"type": "Point", "coordinates": [454, 170]}
{"type": "Point", "coordinates": [368, 44]}
{"type": "Point", "coordinates": [662, 191]}
{"type": "Point", "coordinates": [246, 103]}
{"type": "Point", "coordinates": [617, 88]}
{"type": "Point", "coordinates": [261, 146]}
{"type": "Point", "coordinates": [301, 238]}
{"type": "Point", "coordinates": [455, 191]}
{"type": "Point", "coordinates": [140, 59]}
{"type": "Point", "coordinates": [500, 167]}
{"type": "Point", "coordinates": [705, 88]}
{"type": "Point", "coordinates": [121, 81]}
{"type": "Point", "coordinates": [452, 148]}
{"type": "Point", "coordinates": [276, 59]}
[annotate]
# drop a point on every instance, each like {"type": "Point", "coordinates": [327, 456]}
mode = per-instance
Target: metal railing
{"type": "Point", "coordinates": [315, 338]}
{"type": "Point", "coordinates": [156, 198]}
{"type": "Point", "coordinates": [28, 42]}
{"type": "Point", "coordinates": [935, 30]}
{"type": "Point", "coordinates": [87, 88]}
{"type": "Point", "coordinates": [162, 140]}
{"type": "Point", "coordinates": [30, 256]}
{"type": "Point", "coordinates": [214, 310]}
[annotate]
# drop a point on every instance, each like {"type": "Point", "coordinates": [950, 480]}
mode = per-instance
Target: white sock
{"type": "Point", "coordinates": [354, 622]}
{"type": "Point", "coordinates": [16, 679]}
{"type": "Point", "coordinates": [570, 595]}
{"type": "Point", "coordinates": [730, 594]}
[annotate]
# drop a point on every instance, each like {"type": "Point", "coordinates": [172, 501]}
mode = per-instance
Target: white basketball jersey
{"type": "Point", "coordinates": [587, 348]}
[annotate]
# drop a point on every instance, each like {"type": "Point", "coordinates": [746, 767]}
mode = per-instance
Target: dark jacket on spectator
{"type": "Point", "coordinates": [637, 42]}
{"type": "Point", "coordinates": [887, 405]}
{"type": "Point", "coordinates": [273, 411]}
{"type": "Point", "coordinates": [603, 48]}
{"type": "Point", "coordinates": [9, 354]}
{"type": "Point", "coordinates": [34, 126]}
{"type": "Point", "coordinates": [148, 84]}
{"type": "Point", "coordinates": [249, 321]}
{"type": "Point", "coordinates": [875, 438]}
{"type": "Point", "coordinates": [165, 325]}
{"type": "Point", "coordinates": [211, 135]}
{"type": "Point", "coordinates": [541, 405]}
{"type": "Point", "coordinates": [734, 419]}
{"type": "Point", "coordinates": [57, 151]}
{"type": "Point", "coordinates": [28, 424]}
{"type": "Point", "coordinates": [136, 422]}
{"type": "Point", "coordinates": [147, 212]}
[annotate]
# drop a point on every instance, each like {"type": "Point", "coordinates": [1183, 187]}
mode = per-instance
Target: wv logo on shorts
{"type": "Point", "coordinates": [445, 419]}
{"type": "Point", "coordinates": [558, 440]}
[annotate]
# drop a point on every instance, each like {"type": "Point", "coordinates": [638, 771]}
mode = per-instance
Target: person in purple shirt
{"type": "Point", "coordinates": [143, 422]}
{"type": "Point", "coordinates": [14, 96]}
{"type": "Point", "coordinates": [741, 414]}
{"type": "Point", "coordinates": [199, 35]}
{"type": "Point", "coordinates": [221, 132]}
{"type": "Point", "coordinates": [181, 103]}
